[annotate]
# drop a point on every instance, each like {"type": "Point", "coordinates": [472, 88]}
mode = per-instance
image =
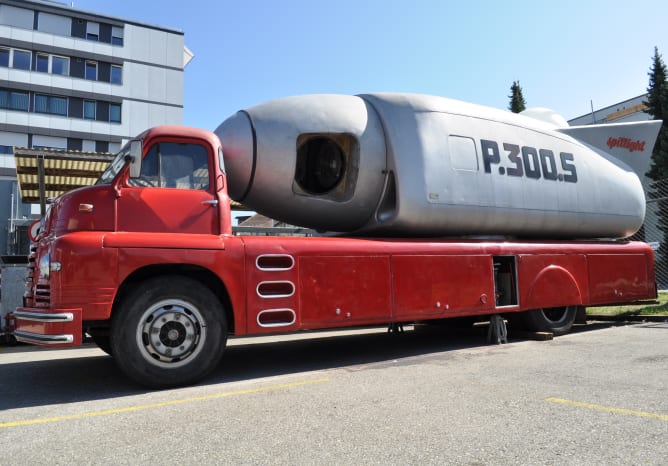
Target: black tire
{"type": "Point", "coordinates": [557, 320]}
{"type": "Point", "coordinates": [168, 331]}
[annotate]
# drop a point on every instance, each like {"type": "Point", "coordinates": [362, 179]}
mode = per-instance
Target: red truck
{"type": "Point", "coordinates": [146, 263]}
{"type": "Point", "coordinates": [149, 267]}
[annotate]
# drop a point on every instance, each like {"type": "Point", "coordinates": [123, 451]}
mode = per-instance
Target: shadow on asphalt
{"type": "Point", "coordinates": [41, 383]}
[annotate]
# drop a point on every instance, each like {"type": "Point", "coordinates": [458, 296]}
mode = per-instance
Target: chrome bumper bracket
{"type": "Point", "coordinates": [37, 339]}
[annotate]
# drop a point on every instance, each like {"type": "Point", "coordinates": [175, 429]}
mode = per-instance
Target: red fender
{"type": "Point", "coordinates": [554, 286]}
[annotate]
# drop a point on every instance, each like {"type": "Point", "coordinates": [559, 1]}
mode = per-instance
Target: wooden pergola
{"type": "Point", "coordinates": [47, 173]}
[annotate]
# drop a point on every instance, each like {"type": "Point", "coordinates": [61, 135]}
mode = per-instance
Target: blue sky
{"type": "Point", "coordinates": [563, 53]}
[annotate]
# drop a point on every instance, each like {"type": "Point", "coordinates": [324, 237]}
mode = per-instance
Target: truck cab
{"type": "Point", "coordinates": [185, 177]}
{"type": "Point", "coordinates": [159, 209]}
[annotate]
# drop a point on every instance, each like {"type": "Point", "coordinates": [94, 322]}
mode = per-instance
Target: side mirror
{"type": "Point", "coordinates": [135, 158]}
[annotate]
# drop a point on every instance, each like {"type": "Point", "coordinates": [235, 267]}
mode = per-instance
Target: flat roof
{"type": "Point", "coordinates": [64, 8]}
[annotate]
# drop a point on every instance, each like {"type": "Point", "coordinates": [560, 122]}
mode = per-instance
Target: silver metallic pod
{"type": "Point", "coordinates": [417, 165]}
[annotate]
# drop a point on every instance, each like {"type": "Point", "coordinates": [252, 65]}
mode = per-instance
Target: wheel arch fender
{"type": "Point", "coordinates": [201, 274]}
{"type": "Point", "coordinates": [553, 286]}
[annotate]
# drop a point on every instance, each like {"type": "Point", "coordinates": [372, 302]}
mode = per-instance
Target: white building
{"type": "Point", "coordinates": [77, 80]}
{"type": "Point", "coordinates": [622, 112]}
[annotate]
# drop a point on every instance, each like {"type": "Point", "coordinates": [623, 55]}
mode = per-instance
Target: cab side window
{"type": "Point", "coordinates": [174, 165]}
{"type": "Point", "coordinates": [150, 172]}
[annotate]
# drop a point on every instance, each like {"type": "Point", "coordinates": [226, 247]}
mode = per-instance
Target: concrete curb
{"type": "Point", "coordinates": [627, 318]}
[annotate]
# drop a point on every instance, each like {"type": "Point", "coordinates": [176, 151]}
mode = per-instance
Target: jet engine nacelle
{"type": "Point", "coordinates": [417, 165]}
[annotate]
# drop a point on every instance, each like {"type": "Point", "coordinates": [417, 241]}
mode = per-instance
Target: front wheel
{"type": "Point", "coordinates": [169, 331]}
{"type": "Point", "coordinates": [557, 320]}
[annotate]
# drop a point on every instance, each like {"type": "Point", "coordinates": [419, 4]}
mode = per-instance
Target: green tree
{"type": "Point", "coordinates": [657, 107]}
{"type": "Point", "coordinates": [517, 103]}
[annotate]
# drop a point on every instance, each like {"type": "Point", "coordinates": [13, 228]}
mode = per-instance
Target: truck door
{"type": "Point", "coordinates": [175, 192]}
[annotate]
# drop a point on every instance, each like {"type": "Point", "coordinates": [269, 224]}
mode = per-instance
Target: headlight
{"type": "Point", "coordinates": [45, 266]}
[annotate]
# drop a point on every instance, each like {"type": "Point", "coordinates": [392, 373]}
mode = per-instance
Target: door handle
{"type": "Point", "coordinates": [211, 202]}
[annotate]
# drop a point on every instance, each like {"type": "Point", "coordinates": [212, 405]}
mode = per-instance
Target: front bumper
{"type": "Point", "coordinates": [48, 327]}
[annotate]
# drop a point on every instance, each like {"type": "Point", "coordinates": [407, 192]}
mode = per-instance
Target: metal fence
{"type": "Point", "coordinates": [655, 228]}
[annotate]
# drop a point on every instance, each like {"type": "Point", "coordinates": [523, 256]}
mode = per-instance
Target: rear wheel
{"type": "Point", "coordinates": [557, 320]}
{"type": "Point", "coordinates": [169, 331]}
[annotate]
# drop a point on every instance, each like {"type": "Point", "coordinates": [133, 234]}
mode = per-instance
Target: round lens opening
{"type": "Point", "coordinates": [320, 165]}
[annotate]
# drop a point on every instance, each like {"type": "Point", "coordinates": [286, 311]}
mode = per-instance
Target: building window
{"type": "Point", "coordinates": [13, 100]}
{"type": "Point", "coordinates": [91, 71]}
{"type": "Point", "coordinates": [74, 144]}
{"type": "Point", "coordinates": [50, 104]}
{"type": "Point", "coordinates": [6, 150]}
{"type": "Point", "coordinates": [4, 57]}
{"type": "Point", "coordinates": [89, 109]}
{"type": "Point", "coordinates": [60, 65]}
{"type": "Point", "coordinates": [41, 103]}
{"type": "Point", "coordinates": [42, 63]}
{"type": "Point", "coordinates": [53, 24]}
{"type": "Point", "coordinates": [21, 60]}
{"type": "Point", "coordinates": [92, 31]}
{"type": "Point", "coordinates": [101, 146]}
{"type": "Point", "coordinates": [114, 113]}
{"type": "Point", "coordinates": [116, 74]}
{"type": "Point", "coordinates": [116, 35]}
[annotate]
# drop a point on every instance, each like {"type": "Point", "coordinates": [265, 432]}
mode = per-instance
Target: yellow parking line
{"type": "Point", "coordinates": [608, 409]}
{"type": "Point", "coordinates": [129, 409]}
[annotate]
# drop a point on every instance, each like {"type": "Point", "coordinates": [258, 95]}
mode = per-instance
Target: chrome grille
{"type": "Point", "coordinates": [37, 294]}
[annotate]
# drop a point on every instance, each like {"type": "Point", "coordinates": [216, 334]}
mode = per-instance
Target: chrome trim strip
{"type": "Point", "coordinates": [272, 296]}
{"type": "Point", "coordinates": [278, 324]}
{"type": "Point", "coordinates": [44, 317]}
{"type": "Point", "coordinates": [37, 339]}
{"type": "Point", "coordinates": [274, 269]}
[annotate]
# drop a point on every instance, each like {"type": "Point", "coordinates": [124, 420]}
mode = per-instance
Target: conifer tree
{"type": "Point", "coordinates": [657, 107]}
{"type": "Point", "coordinates": [517, 103]}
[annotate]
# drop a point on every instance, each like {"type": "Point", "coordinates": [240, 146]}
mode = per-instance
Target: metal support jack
{"type": "Point", "coordinates": [395, 328]}
{"type": "Point", "coordinates": [497, 332]}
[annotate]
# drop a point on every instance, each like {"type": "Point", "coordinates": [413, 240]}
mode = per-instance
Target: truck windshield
{"type": "Point", "coordinates": [114, 167]}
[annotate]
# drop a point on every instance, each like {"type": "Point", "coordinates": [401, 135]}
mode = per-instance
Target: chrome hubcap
{"type": "Point", "coordinates": [171, 332]}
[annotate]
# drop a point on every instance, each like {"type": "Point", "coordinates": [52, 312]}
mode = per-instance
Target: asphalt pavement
{"type": "Point", "coordinates": [596, 396]}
